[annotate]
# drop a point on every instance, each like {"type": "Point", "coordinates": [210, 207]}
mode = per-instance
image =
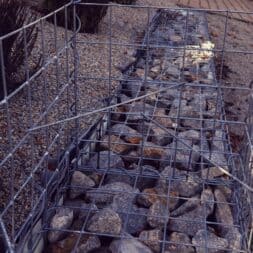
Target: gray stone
{"type": "Point", "coordinates": [80, 183]}
{"type": "Point", "coordinates": [147, 176]}
{"type": "Point", "coordinates": [135, 217]}
{"type": "Point", "coordinates": [90, 244]}
{"type": "Point", "coordinates": [129, 245]}
{"type": "Point", "coordinates": [103, 162]}
{"type": "Point", "coordinates": [104, 194]}
{"type": "Point", "coordinates": [178, 243]}
{"type": "Point", "coordinates": [187, 206]}
{"type": "Point", "coordinates": [170, 70]}
{"type": "Point", "coordinates": [211, 173]}
{"type": "Point", "coordinates": [194, 220]}
{"type": "Point", "coordinates": [158, 215]}
{"type": "Point", "coordinates": [115, 144]}
{"type": "Point", "coordinates": [105, 221]}
{"type": "Point", "coordinates": [192, 135]}
{"type": "Point", "coordinates": [125, 132]}
{"type": "Point", "coordinates": [187, 155]}
{"type": "Point", "coordinates": [187, 185]}
{"type": "Point", "coordinates": [152, 238]}
{"type": "Point", "coordinates": [160, 136]}
{"type": "Point", "coordinates": [133, 88]}
{"type": "Point", "coordinates": [87, 209]}
{"type": "Point", "coordinates": [61, 220]}
{"type": "Point", "coordinates": [204, 239]}
{"type": "Point", "coordinates": [223, 213]}
{"type": "Point", "coordinates": [135, 111]}
{"type": "Point", "coordinates": [162, 118]}
{"type": "Point", "coordinates": [234, 239]}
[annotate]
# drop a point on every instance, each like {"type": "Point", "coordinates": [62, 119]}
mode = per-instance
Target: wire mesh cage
{"type": "Point", "coordinates": [132, 150]}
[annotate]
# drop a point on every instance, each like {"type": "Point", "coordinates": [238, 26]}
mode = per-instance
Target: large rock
{"type": "Point", "coordinates": [87, 244]}
{"type": "Point", "coordinates": [162, 118]}
{"type": "Point", "coordinates": [158, 215]}
{"type": "Point", "coordinates": [152, 238]}
{"type": "Point", "coordinates": [105, 221]}
{"type": "Point", "coordinates": [223, 212]}
{"type": "Point", "coordinates": [127, 133]}
{"type": "Point", "coordinates": [115, 144]}
{"type": "Point", "coordinates": [129, 245]}
{"type": "Point", "coordinates": [186, 185]}
{"type": "Point", "coordinates": [134, 219]}
{"type": "Point", "coordinates": [151, 153]}
{"type": "Point", "coordinates": [101, 161]}
{"type": "Point", "coordinates": [79, 184]}
{"type": "Point", "coordinates": [206, 240]}
{"type": "Point", "coordinates": [61, 220]}
{"type": "Point", "coordinates": [104, 195]}
{"type": "Point", "coordinates": [178, 243]}
{"type": "Point", "coordinates": [136, 110]}
{"type": "Point", "coordinates": [195, 219]}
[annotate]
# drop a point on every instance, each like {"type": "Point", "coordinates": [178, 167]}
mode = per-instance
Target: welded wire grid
{"type": "Point", "coordinates": [149, 97]}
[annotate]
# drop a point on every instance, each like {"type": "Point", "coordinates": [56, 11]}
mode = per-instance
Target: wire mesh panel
{"type": "Point", "coordinates": [130, 152]}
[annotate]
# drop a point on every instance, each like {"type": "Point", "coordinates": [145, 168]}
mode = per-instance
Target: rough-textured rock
{"type": "Point", "coordinates": [61, 220]}
{"type": "Point", "coordinates": [204, 239]}
{"type": "Point", "coordinates": [105, 221]}
{"type": "Point", "coordinates": [178, 243]}
{"type": "Point", "coordinates": [162, 118]}
{"type": "Point", "coordinates": [211, 173]}
{"type": "Point", "coordinates": [234, 239]}
{"type": "Point", "coordinates": [224, 217]}
{"type": "Point", "coordinates": [151, 151]}
{"type": "Point", "coordinates": [147, 176]}
{"type": "Point", "coordinates": [223, 213]}
{"type": "Point", "coordinates": [135, 111]}
{"type": "Point", "coordinates": [186, 158]}
{"type": "Point", "coordinates": [158, 215]}
{"type": "Point", "coordinates": [135, 217]}
{"type": "Point", "coordinates": [152, 238]}
{"type": "Point", "coordinates": [187, 206]}
{"type": "Point", "coordinates": [104, 194]}
{"type": "Point", "coordinates": [86, 244]}
{"type": "Point", "coordinates": [160, 136]}
{"type": "Point", "coordinates": [80, 183]}
{"type": "Point", "coordinates": [132, 88]}
{"type": "Point", "coordinates": [87, 209]}
{"type": "Point", "coordinates": [126, 132]}
{"type": "Point", "coordinates": [187, 185]}
{"type": "Point", "coordinates": [194, 220]}
{"type": "Point", "coordinates": [100, 160]}
{"type": "Point", "coordinates": [148, 197]}
{"type": "Point", "coordinates": [115, 144]}
{"type": "Point", "coordinates": [91, 243]}
{"type": "Point", "coordinates": [136, 220]}
{"type": "Point", "coordinates": [129, 245]}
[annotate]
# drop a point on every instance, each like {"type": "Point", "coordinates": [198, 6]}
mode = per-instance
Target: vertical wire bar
{"type": "Point", "coordinates": [30, 125]}
{"type": "Point", "coordinates": [219, 93]}
{"type": "Point", "coordinates": [75, 82]}
{"type": "Point", "coordinates": [109, 86]}
{"type": "Point", "coordinates": [67, 68]}
{"type": "Point", "coordinates": [147, 56]}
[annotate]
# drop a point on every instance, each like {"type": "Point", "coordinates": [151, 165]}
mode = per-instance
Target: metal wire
{"type": "Point", "coordinates": [57, 138]}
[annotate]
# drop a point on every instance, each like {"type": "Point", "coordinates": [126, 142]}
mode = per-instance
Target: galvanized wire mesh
{"type": "Point", "coordinates": [154, 150]}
